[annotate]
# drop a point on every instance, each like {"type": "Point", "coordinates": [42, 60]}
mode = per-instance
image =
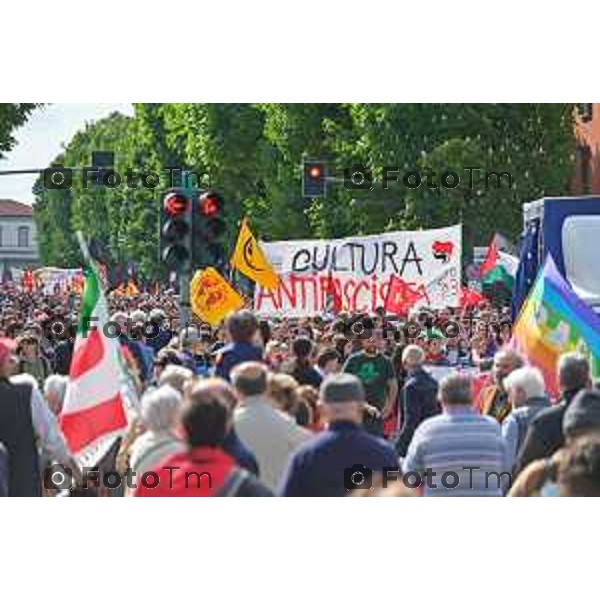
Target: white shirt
{"type": "Point", "coordinates": [152, 448]}
{"type": "Point", "coordinates": [270, 434]}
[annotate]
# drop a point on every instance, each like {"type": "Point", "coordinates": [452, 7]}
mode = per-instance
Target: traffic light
{"type": "Point", "coordinates": [176, 230]}
{"type": "Point", "coordinates": [209, 230]}
{"type": "Point", "coordinates": [313, 179]}
{"type": "Point", "coordinates": [104, 163]}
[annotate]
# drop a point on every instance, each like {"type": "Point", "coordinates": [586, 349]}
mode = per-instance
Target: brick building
{"type": "Point", "coordinates": [587, 159]}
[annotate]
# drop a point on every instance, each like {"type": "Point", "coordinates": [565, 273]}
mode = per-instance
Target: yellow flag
{"type": "Point", "coordinates": [249, 260]}
{"type": "Point", "coordinates": [212, 298]}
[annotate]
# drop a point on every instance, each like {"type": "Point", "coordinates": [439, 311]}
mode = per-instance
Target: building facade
{"type": "Point", "coordinates": [587, 154]}
{"type": "Point", "coordinates": [18, 237]}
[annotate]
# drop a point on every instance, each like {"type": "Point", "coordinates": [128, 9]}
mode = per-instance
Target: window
{"type": "Point", "coordinates": [23, 237]}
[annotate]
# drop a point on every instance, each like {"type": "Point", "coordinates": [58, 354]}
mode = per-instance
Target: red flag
{"type": "Point", "coordinates": [401, 296]}
{"type": "Point", "coordinates": [470, 297]}
{"type": "Point", "coordinates": [491, 258]}
{"type": "Point", "coordinates": [27, 281]}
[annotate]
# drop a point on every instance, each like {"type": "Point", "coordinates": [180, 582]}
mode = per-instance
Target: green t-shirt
{"type": "Point", "coordinates": [374, 372]}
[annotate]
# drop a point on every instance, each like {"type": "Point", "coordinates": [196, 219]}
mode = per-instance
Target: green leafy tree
{"type": "Point", "coordinates": [252, 154]}
{"type": "Point", "coordinates": [12, 116]}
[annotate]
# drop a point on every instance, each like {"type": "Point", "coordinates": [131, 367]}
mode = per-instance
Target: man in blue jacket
{"type": "Point", "coordinates": [241, 327]}
{"type": "Point", "coordinates": [344, 457]}
{"type": "Point", "coordinates": [418, 397]}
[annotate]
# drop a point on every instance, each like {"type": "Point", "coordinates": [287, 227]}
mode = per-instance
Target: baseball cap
{"type": "Point", "coordinates": [582, 413]}
{"type": "Point", "coordinates": [7, 346]}
{"type": "Point", "coordinates": [342, 387]}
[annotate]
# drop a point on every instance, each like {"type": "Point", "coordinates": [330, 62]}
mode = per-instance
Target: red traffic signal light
{"type": "Point", "coordinates": [209, 204]}
{"type": "Point", "coordinates": [315, 172]}
{"type": "Point", "coordinates": [176, 204]}
{"type": "Point", "coordinates": [314, 179]}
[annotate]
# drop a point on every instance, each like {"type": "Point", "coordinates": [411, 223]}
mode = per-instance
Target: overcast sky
{"type": "Point", "coordinates": [41, 139]}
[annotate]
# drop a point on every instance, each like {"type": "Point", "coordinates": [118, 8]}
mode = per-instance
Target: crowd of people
{"type": "Point", "coordinates": [436, 403]}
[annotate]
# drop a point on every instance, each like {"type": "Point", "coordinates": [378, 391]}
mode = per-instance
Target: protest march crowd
{"type": "Point", "coordinates": [331, 405]}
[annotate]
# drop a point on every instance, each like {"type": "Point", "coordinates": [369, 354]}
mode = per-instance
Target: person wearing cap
{"type": "Point", "coordinates": [26, 420]}
{"type": "Point", "coordinates": [581, 421]}
{"type": "Point", "coordinates": [545, 434]}
{"type": "Point", "coordinates": [434, 348]}
{"type": "Point", "coordinates": [242, 327]}
{"type": "Point", "coordinates": [318, 467]}
{"type": "Point", "coordinates": [31, 359]}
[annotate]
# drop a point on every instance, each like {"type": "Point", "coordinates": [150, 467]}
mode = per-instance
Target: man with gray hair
{"type": "Point", "coordinates": [270, 434]}
{"type": "Point", "coordinates": [460, 452]}
{"type": "Point", "coordinates": [343, 457]}
{"type": "Point", "coordinates": [527, 396]}
{"type": "Point", "coordinates": [545, 432]}
{"type": "Point", "coordinates": [55, 389]}
{"type": "Point", "coordinates": [159, 411]}
{"type": "Point", "coordinates": [418, 398]}
{"type": "Point", "coordinates": [493, 399]}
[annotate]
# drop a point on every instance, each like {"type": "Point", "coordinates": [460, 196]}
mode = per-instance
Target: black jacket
{"type": "Point", "coordinates": [545, 433]}
{"type": "Point", "coordinates": [17, 435]}
{"type": "Point", "coordinates": [419, 402]}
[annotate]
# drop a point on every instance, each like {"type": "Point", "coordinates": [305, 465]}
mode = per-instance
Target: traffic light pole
{"type": "Point", "coordinates": [185, 275]}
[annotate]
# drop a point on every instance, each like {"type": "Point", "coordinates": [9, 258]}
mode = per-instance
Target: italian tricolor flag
{"type": "Point", "coordinates": [498, 267]}
{"type": "Point", "coordinates": [93, 413]}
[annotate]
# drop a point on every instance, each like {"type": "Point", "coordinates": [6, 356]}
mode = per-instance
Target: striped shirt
{"type": "Point", "coordinates": [461, 452]}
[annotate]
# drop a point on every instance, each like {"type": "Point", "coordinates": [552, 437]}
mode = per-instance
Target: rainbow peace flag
{"type": "Point", "coordinates": [554, 320]}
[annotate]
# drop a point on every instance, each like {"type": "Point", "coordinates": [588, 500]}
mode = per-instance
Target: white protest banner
{"type": "Point", "coordinates": [358, 270]}
{"type": "Point", "coordinates": [52, 280]}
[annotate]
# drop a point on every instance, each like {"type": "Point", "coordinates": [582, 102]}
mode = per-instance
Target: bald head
{"type": "Point", "coordinates": [214, 386]}
{"type": "Point", "coordinates": [250, 378]}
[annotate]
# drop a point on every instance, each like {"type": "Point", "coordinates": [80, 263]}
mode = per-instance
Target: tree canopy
{"type": "Point", "coordinates": [252, 154]}
{"type": "Point", "coordinates": [11, 117]}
